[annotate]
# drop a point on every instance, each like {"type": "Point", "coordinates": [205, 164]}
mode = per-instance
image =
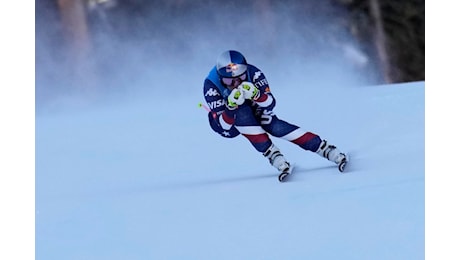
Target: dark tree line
{"type": "Point", "coordinates": [403, 25]}
{"type": "Point", "coordinates": [392, 30]}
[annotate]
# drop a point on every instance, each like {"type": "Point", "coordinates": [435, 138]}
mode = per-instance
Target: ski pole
{"type": "Point", "coordinates": [204, 106]}
{"type": "Point", "coordinates": [207, 109]}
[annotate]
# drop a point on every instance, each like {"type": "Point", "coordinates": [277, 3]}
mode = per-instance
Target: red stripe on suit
{"type": "Point", "coordinates": [258, 138]}
{"type": "Point", "coordinates": [304, 138]}
{"type": "Point", "coordinates": [229, 120]}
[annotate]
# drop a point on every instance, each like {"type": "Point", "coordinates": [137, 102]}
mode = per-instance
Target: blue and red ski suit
{"type": "Point", "coordinates": [254, 119]}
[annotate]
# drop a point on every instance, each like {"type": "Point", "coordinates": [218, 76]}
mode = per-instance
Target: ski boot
{"type": "Point", "coordinates": [333, 154]}
{"type": "Point", "coordinates": [278, 161]}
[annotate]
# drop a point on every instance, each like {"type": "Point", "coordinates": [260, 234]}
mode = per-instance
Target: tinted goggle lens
{"type": "Point", "coordinates": [231, 81]}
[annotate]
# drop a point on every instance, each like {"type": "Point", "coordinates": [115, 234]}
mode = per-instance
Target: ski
{"type": "Point", "coordinates": [282, 177]}
{"type": "Point", "coordinates": [343, 163]}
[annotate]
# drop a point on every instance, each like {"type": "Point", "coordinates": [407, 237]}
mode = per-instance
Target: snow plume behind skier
{"type": "Point", "coordinates": [240, 102]}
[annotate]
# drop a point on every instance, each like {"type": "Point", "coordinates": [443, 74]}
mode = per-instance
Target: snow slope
{"type": "Point", "coordinates": [148, 179]}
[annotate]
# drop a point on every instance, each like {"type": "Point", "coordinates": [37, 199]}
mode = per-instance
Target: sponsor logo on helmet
{"type": "Point", "coordinates": [212, 92]}
{"type": "Point", "coordinates": [231, 67]}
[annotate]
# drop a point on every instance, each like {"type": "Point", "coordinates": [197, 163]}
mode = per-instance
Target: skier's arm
{"type": "Point", "coordinates": [259, 92]}
{"type": "Point", "coordinates": [222, 116]}
{"type": "Point", "coordinates": [266, 99]}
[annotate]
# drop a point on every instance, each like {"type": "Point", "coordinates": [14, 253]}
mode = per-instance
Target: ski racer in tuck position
{"type": "Point", "coordinates": [240, 102]}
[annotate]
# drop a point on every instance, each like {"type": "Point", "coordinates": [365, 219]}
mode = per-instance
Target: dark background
{"type": "Point", "coordinates": [91, 44]}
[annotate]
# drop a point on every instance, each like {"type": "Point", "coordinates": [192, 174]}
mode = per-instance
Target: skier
{"type": "Point", "coordinates": [240, 102]}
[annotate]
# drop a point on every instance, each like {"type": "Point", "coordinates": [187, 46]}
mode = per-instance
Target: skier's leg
{"type": "Point", "coordinates": [292, 133]}
{"type": "Point", "coordinates": [331, 152]}
{"type": "Point", "coordinates": [248, 125]}
{"type": "Point", "coordinates": [307, 140]}
{"type": "Point", "coordinates": [276, 158]}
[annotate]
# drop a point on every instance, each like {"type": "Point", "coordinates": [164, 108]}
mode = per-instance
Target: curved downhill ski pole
{"type": "Point", "coordinates": [214, 115]}
{"type": "Point", "coordinates": [204, 106]}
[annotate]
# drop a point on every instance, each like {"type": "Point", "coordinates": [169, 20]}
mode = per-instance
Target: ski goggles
{"type": "Point", "coordinates": [231, 82]}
